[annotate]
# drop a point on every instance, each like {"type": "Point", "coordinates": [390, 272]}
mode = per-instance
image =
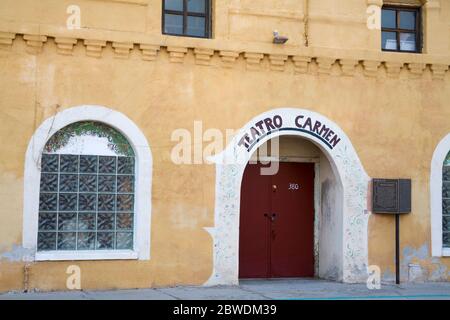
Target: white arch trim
{"type": "Point", "coordinates": [437, 163]}
{"type": "Point", "coordinates": [230, 166]}
{"type": "Point", "coordinates": [143, 180]}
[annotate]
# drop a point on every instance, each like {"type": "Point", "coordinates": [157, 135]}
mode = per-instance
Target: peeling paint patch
{"type": "Point", "coordinates": [419, 266]}
{"type": "Point", "coordinates": [17, 253]}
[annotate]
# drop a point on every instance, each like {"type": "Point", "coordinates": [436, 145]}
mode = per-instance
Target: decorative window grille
{"type": "Point", "coordinates": [446, 203]}
{"type": "Point", "coordinates": [86, 201]}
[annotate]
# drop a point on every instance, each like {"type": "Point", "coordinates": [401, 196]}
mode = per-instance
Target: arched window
{"type": "Point", "coordinates": [446, 202]}
{"type": "Point", "coordinates": [440, 199]}
{"type": "Point", "coordinates": [86, 199]}
{"type": "Point", "coordinates": [87, 188]}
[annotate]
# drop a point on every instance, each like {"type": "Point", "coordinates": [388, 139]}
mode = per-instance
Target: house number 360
{"type": "Point", "coordinates": [294, 186]}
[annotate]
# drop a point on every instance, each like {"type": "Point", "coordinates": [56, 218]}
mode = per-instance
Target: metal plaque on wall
{"type": "Point", "coordinates": [391, 196]}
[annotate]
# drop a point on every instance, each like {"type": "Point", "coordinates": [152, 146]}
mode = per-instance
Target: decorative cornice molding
{"type": "Point", "coordinates": [393, 69]}
{"type": "Point", "coordinates": [253, 60]}
{"type": "Point", "coordinates": [176, 54]}
{"type": "Point", "coordinates": [371, 68]}
{"type": "Point", "coordinates": [65, 45]}
{"type": "Point", "coordinates": [228, 58]}
{"type": "Point", "coordinates": [416, 69]}
{"type": "Point", "coordinates": [325, 64]}
{"type": "Point", "coordinates": [6, 39]}
{"type": "Point", "coordinates": [94, 48]}
{"type": "Point", "coordinates": [325, 61]}
{"type": "Point", "coordinates": [203, 56]}
{"type": "Point", "coordinates": [301, 63]}
{"type": "Point", "coordinates": [122, 49]}
{"type": "Point", "coordinates": [438, 71]}
{"type": "Point", "coordinates": [277, 62]}
{"type": "Point", "coordinates": [149, 51]}
{"type": "Point", "coordinates": [34, 43]}
{"type": "Point", "coordinates": [348, 66]}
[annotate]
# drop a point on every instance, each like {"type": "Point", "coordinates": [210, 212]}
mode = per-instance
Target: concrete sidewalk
{"type": "Point", "coordinates": [256, 290]}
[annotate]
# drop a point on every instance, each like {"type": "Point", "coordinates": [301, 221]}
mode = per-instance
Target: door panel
{"type": "Point", "coordinates": [254, 226]}
{"type": "Point", "coordinates": [292, 235]}
{"type": "Point", "coordinates": [277, 222]}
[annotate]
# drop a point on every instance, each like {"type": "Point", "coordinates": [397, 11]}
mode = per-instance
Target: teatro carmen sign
{"type": "Point", "coordinates": [306, 124]}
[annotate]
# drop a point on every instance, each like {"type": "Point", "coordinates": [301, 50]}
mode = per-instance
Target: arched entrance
{"type": "Point", "coordinates": [344, 162]}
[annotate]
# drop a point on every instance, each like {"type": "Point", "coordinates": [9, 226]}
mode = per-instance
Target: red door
{"type": "Point", "coordinates": [277, 222]}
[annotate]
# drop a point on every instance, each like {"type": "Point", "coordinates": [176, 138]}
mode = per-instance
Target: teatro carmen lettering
{"type": "Point", "coordinates": [308, 125]}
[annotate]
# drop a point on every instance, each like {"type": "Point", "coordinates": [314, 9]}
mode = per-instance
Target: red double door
{"type": "Point", "coordinates": [277, 222]}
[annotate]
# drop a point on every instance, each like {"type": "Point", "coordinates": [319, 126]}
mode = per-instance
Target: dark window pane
{"type": "Point", "coordinates": [68, 183]}
{"type": "Point", "coordinates": [67, 221]}
{"type": "Point", "coordinates": [446, 223]}
{"type": "Point", "coordinates": [49, 163]}
{"type": "Point", "coordinates": [124, 240]}
{"type": "Point", "coordinates": [67, 202]}
{"type": "Point", "coordinates": [107, 165]}
{"type": "Point", "coordinates": [173, 24]}
{"type": "Point", "coordinates": [86, 240]}
{"type": "Point", "coordinates": [173, 5]}
{"type": "Point", "coordinates": [47, 221]}
{"type": "Point", "coordinates": [105, 221]}
{"type": "Point", "coordinates": [88, 164]}
{"type": "Point", "coordinates": [125, 184]}
{"type": "Point", "coordinates": [125, 165]}
{"type": "Point", "coordinates": [446, 189]}
{"type": "Point", "coordinates": [388, 19]}
{"type": "Point", "coordinates": [87, 202]}
{"type": "Point", "coordinates": [446, 239]}
{"type": "Point", "coordinates": [196, 26]}
{"type": "Point", "coordinates": [407, 42]}
{"type": "Point", "coordinates": [69, 163]}
{"type": "Point", "coordinates": [49, 182]}
{"type": "Point", "coordinates": [106, 183]}
{"type": "Point", "coordinates": [86, 221]}
{"type": "Point", "coordinates": [446, 173]}
{"type": "Point", "coordinates": [88, 183]}
{"type": "Point", "coordinates": [66, 240]}
{"type": "Point", "coordinates": [125, 202]}
{"type": "Point", "coordinates": [125, 221]}
{"type": "Point", "coordinates": [197, 6]}
{"type": "Point", "coordinates": [105, 240]}
{"type": "Point", "coordinates": [446, 206]}
{"type": "Point", "coordinates": [46, 241]}
{"type": "Point", "coordinates": [48, 202]}
{"type": "Point", "coordinates": [407, 20]}
{"type": "Point", "coordinates": [389, 40]}
{"type": "Point", "coordinates": [106, 202]}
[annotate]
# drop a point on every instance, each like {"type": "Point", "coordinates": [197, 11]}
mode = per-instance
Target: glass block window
{"type": "Point", "coordinates": [86, 202]}
{"type": "Point", "coordinates": [187, 18]}
{"type": "Point", "coordinates": [446, 202]}
{"type": "Point", "coordinates": [401, 29]}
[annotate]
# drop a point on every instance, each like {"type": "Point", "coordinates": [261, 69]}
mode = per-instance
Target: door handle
{"type": "Point", "coordinates": [272, 217]}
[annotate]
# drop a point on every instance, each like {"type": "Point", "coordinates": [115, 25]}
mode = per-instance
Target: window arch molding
{"type": "Point", "coordinates": [437, 163]}
{"type": "Point", "coordinates": [143, 167]}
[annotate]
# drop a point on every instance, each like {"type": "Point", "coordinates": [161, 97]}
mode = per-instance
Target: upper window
{"type": "Point", "coordinates": [87, 189]}
{"type": "Point", "coordinates": [401, 29]}
{"type": "Point", "coordinates": [446, 203]}
{"type": "Point", "coordinates": [186, 18]}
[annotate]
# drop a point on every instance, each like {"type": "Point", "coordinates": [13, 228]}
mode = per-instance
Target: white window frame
{"type": "Point", "coordinates": [437, 163]}
{"type": "Point", "coordinates": [143, 182]}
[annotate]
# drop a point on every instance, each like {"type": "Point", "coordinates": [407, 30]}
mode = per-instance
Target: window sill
{"type": "Point", "coordinates": [86, 255]}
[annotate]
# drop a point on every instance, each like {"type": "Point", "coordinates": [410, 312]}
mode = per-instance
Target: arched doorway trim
{"type": "Point", "coordinates": [230, 165]}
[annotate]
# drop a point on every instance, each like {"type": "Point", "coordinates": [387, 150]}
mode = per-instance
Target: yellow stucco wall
{"type": "Point", "coordinates": [394, 119]}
